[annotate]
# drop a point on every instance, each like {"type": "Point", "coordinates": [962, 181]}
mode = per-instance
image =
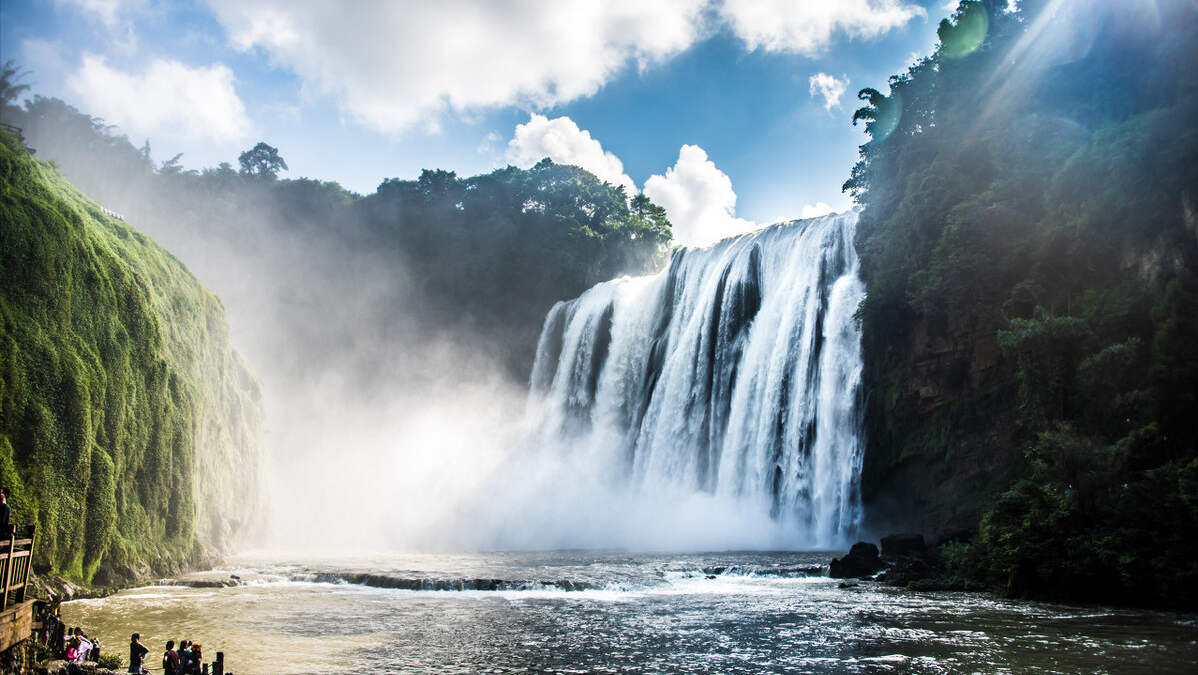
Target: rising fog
{"type": "Point", "coordinates": [396, 419]}
{"type": "Point", "coordinates": [379, 423]}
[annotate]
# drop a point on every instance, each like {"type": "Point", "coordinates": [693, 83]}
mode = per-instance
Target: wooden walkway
{"type": "Point", "coordinates": [16, 613]}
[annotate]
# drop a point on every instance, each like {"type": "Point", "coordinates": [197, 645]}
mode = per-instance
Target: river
{"type": "Point", "coordinates": [610, 612]}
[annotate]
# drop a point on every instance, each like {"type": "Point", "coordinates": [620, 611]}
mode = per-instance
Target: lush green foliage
{"type": "Point", "coordinates": [114, 366]}
{"type": "Point", "coordinates": [261, 161]}
{"type": "Point", "coordinates": [483, 257]}
{"type": "Point", "coordinates": [501, 248]}
{"type": "Point", "coordinates": [1029, 230]}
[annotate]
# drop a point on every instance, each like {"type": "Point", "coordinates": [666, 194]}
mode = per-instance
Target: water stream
{"type": "Point", "coordinates": [712, 406]}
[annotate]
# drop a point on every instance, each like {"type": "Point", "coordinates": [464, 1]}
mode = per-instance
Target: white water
{"type": "Point", "coordinates": [714, 405]}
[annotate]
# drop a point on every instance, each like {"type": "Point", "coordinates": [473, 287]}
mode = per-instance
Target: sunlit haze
{"type": "Point", "coordinates": [731, 115]}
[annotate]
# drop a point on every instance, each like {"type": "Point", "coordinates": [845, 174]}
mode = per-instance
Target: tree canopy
{"type": "Point", "coordinates": [261, 161]}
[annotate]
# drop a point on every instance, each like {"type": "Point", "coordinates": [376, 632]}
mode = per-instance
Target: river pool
{"type": "Point", "coordinates": [611, 612]}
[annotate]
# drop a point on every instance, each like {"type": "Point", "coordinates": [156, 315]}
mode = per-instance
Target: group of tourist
{"type": "Point", "coordinates": [78, 647]}
{"type": "Point", "coordinates": [187, 660]}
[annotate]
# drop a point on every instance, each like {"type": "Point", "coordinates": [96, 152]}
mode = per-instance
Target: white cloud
{"type": "Point", "coordinates": [820, 209]}
{"type": "Point", "coordinates": [396, 65]}
{"type": "Point", "coordinates": [809, 26]}
{"type": "Point", "coordinates": [698, 198]}
{"type": "Point", "coordinates": [561, 140]}
{"type": "Point", "coordinates": [169, 100]}
{"type": "Point", "coordinates": [830, 88]}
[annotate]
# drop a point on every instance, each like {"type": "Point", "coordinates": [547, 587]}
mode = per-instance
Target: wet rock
{"type": "Point", "coordinates": [848, 584]}
{"type": "Point", "coordinates": [904, 570]}
{"type": "Point", "coordinates": [903, 545]}
{"type": "Point", "coordinates": [862, 560]}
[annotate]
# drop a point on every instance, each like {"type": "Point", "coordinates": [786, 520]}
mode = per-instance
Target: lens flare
{"type": "Point", "coordinates": [967, 35]}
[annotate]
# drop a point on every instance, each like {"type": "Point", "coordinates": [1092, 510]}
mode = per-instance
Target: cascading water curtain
{"type": "Point", "coordinates": [734, 374]}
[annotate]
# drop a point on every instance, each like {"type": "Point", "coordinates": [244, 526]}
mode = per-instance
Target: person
{"type": "Point", "coordinates": [170, 659]}
{"type": "Point", "coordinates": [137, 653]}
{"type": "Point", "coordinates": [185, 657]}
{"type": "Point", "coordinates": [85, 645]}
{"type": "Point", "coordinates": [197, 658]}
{"type": "Point", "coordinates": [4, 513]}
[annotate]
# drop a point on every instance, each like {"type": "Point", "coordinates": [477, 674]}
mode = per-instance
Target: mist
{"type": "Point", "coordinates": [396, 333]}
{"type": "Point", "coordinates": [393, 333]}
{"type": "Point", "coordinates": [379, 422]}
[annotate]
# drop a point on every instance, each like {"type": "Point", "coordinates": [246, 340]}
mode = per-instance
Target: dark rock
{"type": "Point", "coordinates": [900, 545]}
{"type": "Point", "coordinates": [847, 584]}
{"type": "Point", "coordinates": [904, 570]}
{"type": "Point", "coordinates": [861, 560]}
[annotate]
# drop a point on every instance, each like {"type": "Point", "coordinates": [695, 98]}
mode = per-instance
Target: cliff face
{"type": "Point", "coordinates": [130, 431]}
{"type": "Point", "coordinates": [931, 477]}
{"type": "Point", "coordinates": [1027, 240]}
{"type": "Point", "coordinates": [949, 428]}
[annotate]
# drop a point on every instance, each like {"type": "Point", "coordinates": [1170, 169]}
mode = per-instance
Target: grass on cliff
{"type": "Point", "coordinates": [106, 343]}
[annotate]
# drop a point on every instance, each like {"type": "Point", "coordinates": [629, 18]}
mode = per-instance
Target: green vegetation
{"type": "Point", "coordinates": [129, 430]}
{"type": "Point", "coordinates": [481, 258]}
{"type": "Point", "coordinates": [501, 248]}
{"type": "Point", "coordinates": [1029, 241]}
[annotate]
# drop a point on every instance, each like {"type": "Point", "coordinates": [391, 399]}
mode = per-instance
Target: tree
{"type": "Point", "coordinates": [10, 89]}
{"type": "Point", "coordinates": [263, 161]}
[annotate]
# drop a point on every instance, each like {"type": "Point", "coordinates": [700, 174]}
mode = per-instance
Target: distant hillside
{"type": "Point", "coordinates": [130, 431]}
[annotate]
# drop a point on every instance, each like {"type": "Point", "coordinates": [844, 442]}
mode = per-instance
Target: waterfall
{"type": "Point", "coordinates": [731, 379]}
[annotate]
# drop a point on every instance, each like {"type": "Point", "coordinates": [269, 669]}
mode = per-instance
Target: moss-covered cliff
{"type": "Point", "coordinates": [130, 431]}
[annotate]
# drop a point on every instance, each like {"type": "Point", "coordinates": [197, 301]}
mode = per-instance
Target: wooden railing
{"type": "Point", "coordinates": [15, 558]}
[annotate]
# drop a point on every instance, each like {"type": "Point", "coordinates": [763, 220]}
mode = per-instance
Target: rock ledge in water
{"type": "Point", "coordinates": [862, 560]}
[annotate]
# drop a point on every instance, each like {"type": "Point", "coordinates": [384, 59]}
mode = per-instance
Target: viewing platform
{"type": "Point", "coordinates": [16, 612]}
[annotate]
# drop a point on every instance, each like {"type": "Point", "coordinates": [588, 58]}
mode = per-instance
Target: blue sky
{"type": "Point", "coordinates": [730, 113]}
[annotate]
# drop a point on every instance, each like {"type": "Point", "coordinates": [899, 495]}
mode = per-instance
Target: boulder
{"type": "Point", "coordinates": [903, 545]}
{"type": "Point", "coordinates": [904, 570]}
{"type": "Point", "coordinates": [862, 560]}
